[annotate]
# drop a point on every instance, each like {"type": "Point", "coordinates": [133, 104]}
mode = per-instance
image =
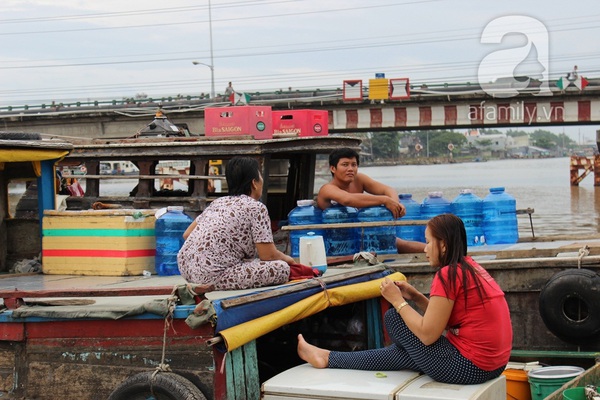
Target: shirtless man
{"type": "Point", "coordinates": [350, 188]}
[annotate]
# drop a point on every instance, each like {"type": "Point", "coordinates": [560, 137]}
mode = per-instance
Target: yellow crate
{"type": "Point", "coordinates": [98, 242]}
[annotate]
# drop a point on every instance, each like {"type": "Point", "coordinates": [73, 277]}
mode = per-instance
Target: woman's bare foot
{"type": "Point", "coordinates": [315, 356]}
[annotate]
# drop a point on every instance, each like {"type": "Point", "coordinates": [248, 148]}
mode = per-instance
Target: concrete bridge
{"type": "Point", "coordinates": [460, 106]}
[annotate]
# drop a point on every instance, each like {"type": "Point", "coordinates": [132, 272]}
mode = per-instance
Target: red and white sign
{"type": "Point", "coordinates": [399, 88]}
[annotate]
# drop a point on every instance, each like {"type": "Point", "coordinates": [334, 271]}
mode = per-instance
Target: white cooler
{"type": "Point", "coordinates": [305, 382]}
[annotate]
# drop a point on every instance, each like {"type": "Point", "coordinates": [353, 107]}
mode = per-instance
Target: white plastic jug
{"type": "Point", "coordinates": [312, 251]}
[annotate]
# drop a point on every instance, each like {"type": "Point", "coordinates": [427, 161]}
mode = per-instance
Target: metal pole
{"type": "Point", "coordinates": [212, 61]}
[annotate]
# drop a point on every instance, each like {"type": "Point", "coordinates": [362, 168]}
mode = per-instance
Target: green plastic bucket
{"type": "Point", "coordinates": [543, 381]}
{"type": "Point", "coordinates": [576, 393]}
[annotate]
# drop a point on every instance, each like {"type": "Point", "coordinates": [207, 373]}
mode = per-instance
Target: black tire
{"type": "Point", "coordinates": [164, 386]}
{"type": "Point", "coordinates": [570, 305]}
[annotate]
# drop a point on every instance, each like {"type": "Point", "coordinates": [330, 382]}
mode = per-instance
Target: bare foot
{"type": "Point", "coordinates": [315, 356]}
{"type": "Point", "coordinates": [199, 290]}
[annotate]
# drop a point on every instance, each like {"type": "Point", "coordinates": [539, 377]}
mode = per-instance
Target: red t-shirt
{"type": "Point", "coordinates": [482, 332]}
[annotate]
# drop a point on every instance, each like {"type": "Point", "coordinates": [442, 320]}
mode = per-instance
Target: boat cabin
{"type": "Point", "coordinates": [191, 171]}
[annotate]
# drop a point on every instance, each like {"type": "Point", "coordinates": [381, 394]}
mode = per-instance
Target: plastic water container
{"type": "Point", "coordinates": [379, 239]}
{"type": "Point", "coordinates": [500, 217]}
{"type": "Point", "coordinates": [169, 229]}
{"type": "Point", "coordinates": [469, 208]}
{"type": "Point", "coordinates": [306, 213]}
{"type": "Point", "coordinates": [342, 241]}
{"type": "Point", "coordinates": [434, 204]}
{"type": "Point", "coordinates": [543, 381]}
{"type": "Point", "coordinates": [413, 212]}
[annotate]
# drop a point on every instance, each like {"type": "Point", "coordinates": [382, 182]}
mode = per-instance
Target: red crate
{"type": "Point", "coordinates": [301, 122]}
{"type": "Point", "coordinates": [239, 120]}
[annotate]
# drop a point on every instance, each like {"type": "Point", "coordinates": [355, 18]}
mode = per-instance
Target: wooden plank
{"type": "Point", "coordinates": [135, 176]}
{"type": "Point", "coordinates": [298, 287]}
{"type": "Point", "coordinates": [238, 390]}
{"type": "Point", "coordinates": [251, 371]}
{"type": "Point", "coordinates": [14, 298]}
{"type": "Point", "coordinates": [353, 225]}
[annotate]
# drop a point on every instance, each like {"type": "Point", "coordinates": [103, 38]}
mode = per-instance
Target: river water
{"type": "Point", "coordinates": [541, 184]}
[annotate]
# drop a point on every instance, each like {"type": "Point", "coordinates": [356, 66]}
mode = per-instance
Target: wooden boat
{"type": "Point", "coordinates": [58, 356]}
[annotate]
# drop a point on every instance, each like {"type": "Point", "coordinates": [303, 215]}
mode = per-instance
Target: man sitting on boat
{"type": "Point", "coordinates": [223, 242]}
{"type": "Point", "coordinates": [350, 188]}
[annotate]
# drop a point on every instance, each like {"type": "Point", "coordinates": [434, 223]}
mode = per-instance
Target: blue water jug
{"type": "Point", "coordinates": [500, 217]}
{"type": "Point", "coordinates": [469, 208]}
{"type": "Point", "coordinates": [169, 229]}
{"type": "Point", "coordinates": [413, 212]}
{"type": "Point", "coordinates": [306, 213]}
{"type": "Point", "coordinates": [342, 241]}
{"type": "Point", "coordinates": [378, 239]}
{"type": "Point", "coordinates": [434, 204]}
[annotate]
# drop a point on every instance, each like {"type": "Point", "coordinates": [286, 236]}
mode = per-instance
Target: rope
{"type": "Point", "coordinates": [584, 251]}
{"type": "Point", "coordinates": [325, 291]}
{"type": "Point", "coordinates": [171, 301]}
{"type": "Point", "coordinates": [367, 256]}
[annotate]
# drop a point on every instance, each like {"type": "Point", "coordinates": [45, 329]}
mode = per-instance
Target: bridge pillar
{"type": "Point", "coordinates": [588, 165]}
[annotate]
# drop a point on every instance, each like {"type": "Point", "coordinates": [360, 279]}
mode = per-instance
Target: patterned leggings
{"type": "Point", "coordinates": [440, 360]}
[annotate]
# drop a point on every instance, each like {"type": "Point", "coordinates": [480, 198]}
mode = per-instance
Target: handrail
{"type": "Point", "coordinates": [527, 211]}
{"type": "Point", "coordinates": [135, 176]}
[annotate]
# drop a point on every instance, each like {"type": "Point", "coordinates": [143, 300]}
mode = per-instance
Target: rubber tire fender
{"type": "Point", "coordinates": [163, 386]}
{"type": "Point", "coordinates": [564, 296]}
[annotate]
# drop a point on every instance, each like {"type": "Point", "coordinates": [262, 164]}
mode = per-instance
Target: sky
{"type": "Point", "coordinates": [70, 50]}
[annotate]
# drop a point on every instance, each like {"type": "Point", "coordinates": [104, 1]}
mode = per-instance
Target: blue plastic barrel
{"type": "Point", "coordinates": [169, 229]}
{"type": "Point", "coordinates": [469, 208]}
{"type": "Point", "coordinates": [413, 212]}
{"type": "Point", "coordinates": [434, 204]}
{"type": "Point", "coordinates": [500, 217]}
{"type": "Point", "coordinates": [342, 241]}
{"type": "Point", "coordinates": [306, 213]}
{"type": "Point", "coordinates": [378, 239]}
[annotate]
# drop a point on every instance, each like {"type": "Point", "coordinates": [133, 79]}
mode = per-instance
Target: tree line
{"type": "Point", "coordinates": [387, 145]}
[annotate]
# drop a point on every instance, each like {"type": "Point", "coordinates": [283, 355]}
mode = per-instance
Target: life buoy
{"type": "Point", "coordinates": [83, 169]}
{"type": "Point", "coordinates": [418, 147]}
{"type": "Point", "coordinates": [570, 305]}
{"type": "Point", "coordinates": [163, 385]}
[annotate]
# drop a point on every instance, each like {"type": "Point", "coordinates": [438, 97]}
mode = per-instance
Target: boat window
{"type": "Point", "coordinates": [172, 183]}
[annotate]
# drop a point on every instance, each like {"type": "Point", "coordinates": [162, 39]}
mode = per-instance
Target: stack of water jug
{"type": "Point", "coordinates": [491, 220]}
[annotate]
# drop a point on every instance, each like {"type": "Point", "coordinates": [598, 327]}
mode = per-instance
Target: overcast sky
{"type": "Point", "coordinates": [69, 50]}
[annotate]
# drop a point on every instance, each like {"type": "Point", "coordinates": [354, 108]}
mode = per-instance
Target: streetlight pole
{"type": "Point", "coordinates": [212, 77]}
{"type": "Point", "coordinates": [212, 60]}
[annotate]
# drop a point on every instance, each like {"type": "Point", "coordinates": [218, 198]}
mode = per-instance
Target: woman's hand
{"type": "Point", "coordinates": [407, 290]}
{"type": "Point", "coordinates": [391, 292]}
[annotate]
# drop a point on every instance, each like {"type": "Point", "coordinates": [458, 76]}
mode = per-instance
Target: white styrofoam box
{"type": "Point", "coordinates": [425, 388]}
{"type": "Point", "coordinates": [305, 382]}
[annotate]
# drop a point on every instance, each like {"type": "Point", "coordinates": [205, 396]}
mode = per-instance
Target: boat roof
{"type": "Point", "coordinates": [214, 147]}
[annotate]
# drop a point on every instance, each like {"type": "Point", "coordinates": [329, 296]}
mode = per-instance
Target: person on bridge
{"type": "Point", "coordinates": [228, 91]}
{"type": "Point", "coordinates": [348, 187]}
{"type": "Point", "coordinates": [465, 302]}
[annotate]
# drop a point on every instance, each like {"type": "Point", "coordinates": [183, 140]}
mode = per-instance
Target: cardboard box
{"type": "Point", "coordinates": [98, 242]}
{"type": "Point", "coordinates": [239, 120]}
{"type": "Point", "coordinates": [301, 122]}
